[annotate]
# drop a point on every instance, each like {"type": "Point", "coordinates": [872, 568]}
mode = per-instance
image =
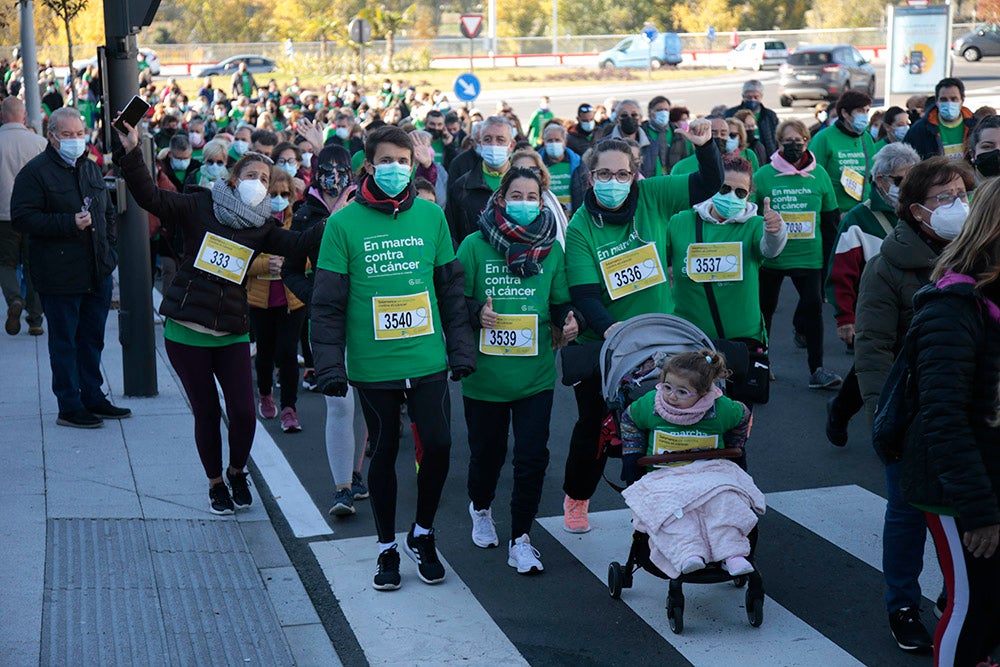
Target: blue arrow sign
{"type": "Point", "coordinates": [650, 33]}
{"type": "Point", "coordinates": [467, 87]}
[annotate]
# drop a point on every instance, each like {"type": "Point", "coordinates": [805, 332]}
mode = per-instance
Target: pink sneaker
{"type": "Point", "coordinates": [575, 515]}
{"type": "Point", "coordinates": [266, 407]}
{"type": "Point", "coordinates": [290, 421]}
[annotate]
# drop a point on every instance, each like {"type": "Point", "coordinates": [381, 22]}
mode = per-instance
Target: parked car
{"type": "Point", "coordinates": [823, 73]}
{"type": "Point", "coordinates": [637, 51]}
{"type": "Point", "coordinates": [757, 54]}
{"type": "Point", "coordinates": [255, 65]}
{"type": "Point", "coordinates": [983, 41]}
{"type": "Point", "coordinates": [151, 58]}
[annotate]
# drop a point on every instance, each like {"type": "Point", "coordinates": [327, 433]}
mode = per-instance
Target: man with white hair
{"type": "Point", "coordinates": [468, 194]}
{"type": "Point", "coordinates": [767, 120]}
{"type": "Point", "coordinates": [18, 145]}
{"type": "Point", "coordinates": [61, 203]}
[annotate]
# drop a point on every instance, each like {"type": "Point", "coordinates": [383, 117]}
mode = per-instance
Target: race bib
{"type": "Point", "coordinates": [853, 183]}
{"type": "Point", "coordinates": [513, 336]}
{"type": "Point", "coordinates": [632, 271]}
{"type": "Point", "coordinates": [800, 225]}
{"type": "Point", "coordinates": [953, 151]}
{"type": "Point", "coordinates": [715, 262]}
{"type": "Point", "coordinates": [224, 258]}
{"type": "Point", "coordinates": [402, 316]}
{"type": "Point", "coordinates": [670, 443]}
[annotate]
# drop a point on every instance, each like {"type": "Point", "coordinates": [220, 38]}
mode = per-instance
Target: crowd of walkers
{"type": "Point", "coordinates": [388, 244]}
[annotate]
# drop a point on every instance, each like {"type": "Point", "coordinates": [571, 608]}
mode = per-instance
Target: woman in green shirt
{"type": "Point", "coordinates": [515, 287]}
{"type": "Point", "coordinates": [616, 260]}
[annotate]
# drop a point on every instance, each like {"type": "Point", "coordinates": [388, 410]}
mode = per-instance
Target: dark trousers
{"type": "Point", "coordinates": [848, 401]}
{"type": "Point", "coordinates": [488, 424]}
{"type": "Point", "coordinates": [808, 318]}
{"type": "Point", "coordinates": [585, 461]}
{"type": "Point", "coordinates": [903, 537]}
{"type": "Point", "coordinates": [429, 407]}
{"type": "Point", "coordinates": [278, 332]}
{"type": "Point", "coordinates": [76, 340]}
{"type": "Point", "coordinates": [307, 353]}
{"type": "Point", "coordinates": [198, 367]}
{"type": "Point", "coordinates": [14, 251]}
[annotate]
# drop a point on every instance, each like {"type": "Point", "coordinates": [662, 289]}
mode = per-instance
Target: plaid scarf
{"type": "Point", "coordinates": [524, 247]}
{"type": "Point", "coordinates": [232, 212]}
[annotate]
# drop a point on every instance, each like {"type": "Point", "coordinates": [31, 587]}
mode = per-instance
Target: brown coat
{"type": "Point", "coordinates": [258, 289]}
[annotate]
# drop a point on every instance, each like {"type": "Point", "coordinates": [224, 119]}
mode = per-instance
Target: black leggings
{"type": "Point", "coordinates": [585, 461]}
{"type": "Point", "coordinates": [429, 407]}
{"type": "Point", "coordinates": [808, 318]}
{"type": "Point", "coordinates": [198, 367]}
{"type": "Point", "coordinates": [277, 332]}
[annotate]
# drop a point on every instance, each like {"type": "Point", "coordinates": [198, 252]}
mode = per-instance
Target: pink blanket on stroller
{"type": "Point", "coordinates": [705, 509]}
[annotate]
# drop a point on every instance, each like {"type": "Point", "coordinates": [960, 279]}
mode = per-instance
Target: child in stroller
{"type": "Point", "coordinates": [695, 512]}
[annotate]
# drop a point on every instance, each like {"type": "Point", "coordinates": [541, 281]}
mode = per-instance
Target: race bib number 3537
{"type": "Point", "coordinates": [632, 271]}
{"type": "Point", "coordinates": [224, 258]}
{"type": "Point", "coordinates": [402, 316]}
{"type": "Point", "coordinates": [715, 262]}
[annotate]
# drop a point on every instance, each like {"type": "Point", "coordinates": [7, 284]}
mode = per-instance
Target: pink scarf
{"type": "Point", "coordinates": [685, 416]}
{"type": "Point", "coordinates": [786, 168]}
{"type": "Point", "coordinates": [952, 278]}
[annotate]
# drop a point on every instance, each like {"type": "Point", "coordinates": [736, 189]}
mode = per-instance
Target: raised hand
{"type": "Point", "coordinates": [571, 329]}
{"type": "Point", "coordinates": [772, 219]}
{"type": "Point", "coordinates": [129, 139]}
{"type": "Point", "coordinates": [488, 316]}
{"type": "Point", "coordinates": [698, 133]}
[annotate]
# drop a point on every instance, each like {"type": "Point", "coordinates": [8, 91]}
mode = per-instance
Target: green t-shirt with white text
{"type": "Point", "coordinates": [837, 152]}
{"type": "Point", "coordinates": [799, 200]}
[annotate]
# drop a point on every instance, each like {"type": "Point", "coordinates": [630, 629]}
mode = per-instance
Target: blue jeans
{"type": "Point", "coordinates": [76, 340]}
{"type": "Point", "coordinates": [902, 545]}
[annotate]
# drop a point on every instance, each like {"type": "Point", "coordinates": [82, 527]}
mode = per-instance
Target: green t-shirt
{"type": "Point", "coordinates": [503, 376]}
{"type": "Point", "coordinates": [751, 157]}
{"type": "Point", "coordinates": [688, 165]}
{"type": "Point", "coordinates": [953, 139]}
{"type": "Point", "coordinates": [638, 279]}
{"type": "Point", "coordinates": [492, 179]}
{"type": "Point", "coordinates": [838, 152]}
{"type": "Point", "coordinates": [738, 299]}
{"type": "Point", "coordinates": [725, 416]}
{"type": "Point", "coordinates": [538, 120]}
{"type": "Point", "coordinates": [438, 147]}
{"type": "Point", "coordinates": [561, 178]}
{"type": "Point", "coordinates": [246, 84]}
{"type": "Point", "coordinates": [178, 333]}
{"type": "Point", "coordinates": [799, 200]}
{"type": "Point", "coordinates": [393, 324]}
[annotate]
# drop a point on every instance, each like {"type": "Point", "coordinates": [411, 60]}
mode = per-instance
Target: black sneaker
{"type": "Point", "coordinates": [105, 410]}
{"type": "Point", "coordinates": [387, 571]}
{"type": "Point", "coordinates": [421, 550]}
{"type": "Point", "coordinates": [836, 428]}
{"type": "Point", "coordinates": [221, 502]}
{"type": "Point", "coordinates": [309, 380]}
{"type": "Point", "coordinates": [241, 488]}
{"type": "Point", "coordinates": [343, 503]}
{"type": "Point", "coordinates": [909, 633]}
{"type": "Point", "coordinates": [358, 487]}
{"type": "Point", "coordinates": [13, 324]}
{"type": "Point", "coordinates": [79, 419]}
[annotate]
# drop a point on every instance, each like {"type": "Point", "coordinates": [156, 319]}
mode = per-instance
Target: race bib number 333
{"type": "Point", "coordinates": [224, 258]}
{"type": "Point", "coordinates": [402, 316]}
{"type": "Point", "coordinates": [632, 271]}
{"type": "Point", "coordinates": [513, 336]}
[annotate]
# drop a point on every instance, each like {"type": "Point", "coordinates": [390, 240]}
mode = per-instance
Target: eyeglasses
{"type": "Point", "coordinates": [605, 175]}
{"type": "Point", "coordinates": [742, 193]}
{"type": "Point", "coordinates": [585, 108]}
{"type": "Point", "coordinates": [896, 180]}
{"type": "Point", "coordinates": [734, 135]}
{"type": "Point", "coordinates": [946, 198]}
{"type": "Point", "coordinates": [327, 169]}
{"type": "Point", "coordinates": [286, 195]}
{"type": "Point", "coordinates": [290, 161]}
{"type": "Point", "coordinates": [219, 163]}
{"type": "Point", "coordinates": [679, 392]}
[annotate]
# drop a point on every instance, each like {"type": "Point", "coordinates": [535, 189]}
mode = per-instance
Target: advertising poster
{"type": "Point", "coordinates": [919, 48]}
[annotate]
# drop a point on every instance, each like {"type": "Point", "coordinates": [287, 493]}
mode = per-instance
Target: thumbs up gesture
{"type": "Point", "coordinates": [772, 219]}
{"type": "Point", "coordinates": [571, 329]}
{"type": "Point", "coordinates": [488, 316]}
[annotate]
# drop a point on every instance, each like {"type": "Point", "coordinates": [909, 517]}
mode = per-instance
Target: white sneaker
{"type": "Point", "coordinates": [524, 557]}
{"type": "Point", "coordinates": [484, 531]}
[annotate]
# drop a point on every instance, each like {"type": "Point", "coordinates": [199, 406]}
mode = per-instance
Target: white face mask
{"type": "Point", "coordinates": [947, 221]}
{"type": "Point", "coordinates": [252, 191]}
{"type": "Point", "coordinates": [307, 159]}
{"type": "Point", "coordinates": [892, 196]}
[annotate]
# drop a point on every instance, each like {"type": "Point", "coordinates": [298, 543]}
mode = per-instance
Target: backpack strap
{"type": "Point", "coordinates": [699, 235]}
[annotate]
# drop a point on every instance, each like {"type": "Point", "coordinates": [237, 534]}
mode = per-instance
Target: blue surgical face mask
{"type": "Point", "coordinates": [900, 132]}
{"type": "Point", "coordinates": [611, 194]}
{"type": "Point", "coordinates": [493, 156]}
{"type": "Point", "coordinates": [732, 144]}
{"type": "Point", "coordinates": [213, 170]}
{"type": "Point", "coordinates": [859, 122]}
{"type": "Point", "coordinates": [949, 110]}
{"type": "Point", "coordinates": [392, 178]}
{"type": "Point", "coordinates": [72, 149]}
{"type": "Point", "coordinates": [343, 132]}
{"type": "Point", "coordinates": [727, 205]}
{"type": "Point", "coordinates": [555, 149]}
{"type": "Point", "coordinates": [873, 131]}
{"type": "Point", "coordinates": [240, 147]}
{"type": "Point", "coordinates": [278, 203]}
{"type": "Point", "coordinates": [662, 118]}
{"type": "Point", "coordinates": [180, 165]}
{"type": "Point", "coordinates": [587, 125]}
{"type": "Point", "coordinates": [290, 169]}
{"type": "Point", "coordinates": [523, 212]}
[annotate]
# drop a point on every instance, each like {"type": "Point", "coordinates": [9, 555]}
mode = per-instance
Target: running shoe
{"type": "Point", "coordinates": [290, 421]}
{"type": "Point", "coordinates": [824, 379]}
{"type": "Point", "coordinates": [309, 380]}
{"type": "Point", "coordinates": [387, 571]}
{"type": "Point", "coordinates": [343, 503]}
{"type": "Point", "coordinates": [421, 550]}
{"type": "Point", "coordinates": [219, 500]}
{"type": "Point", "coordinates": [909, 633]}
{"type": "Point", "coordinates": [358, 487]}
{"type": "Point", "coordinates": [484, 530]}
{"type": "Point", "coordinates": [241, 488]}
{"type": "Point", "coordinates": [836, 428]}
{"type": "Point", "coordinates": [266, 407]}
{"type": "Point", "coordinates": [575, 515]}
{"type": "Point", "coordinates": [13, 324]}
{"type": "Point", "coordinates": [524, 557]}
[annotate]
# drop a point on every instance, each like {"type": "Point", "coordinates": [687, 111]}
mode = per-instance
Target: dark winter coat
{"type": "Point", "coordinates": [767, 126]}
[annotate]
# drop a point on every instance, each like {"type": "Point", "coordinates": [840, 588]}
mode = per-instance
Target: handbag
{"type": "Point", "coordinates": [750, 379]}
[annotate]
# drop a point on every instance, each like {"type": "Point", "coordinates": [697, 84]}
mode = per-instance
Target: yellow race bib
{"type": "Point", "coordinates": [224, 258]}
{"type": "Point", "coordinates": [632, 271]}
{"type": "Point", "coordinates": [800, 225]}
{"type": "Point", "coordinates": [513, 336]}
{"type": "Point", "coordinates": [715, 262]}
{"type": "Point", "coordinates": [953, 151]}
{"type": "Point", "coordinates": [402, 316]}
{"type": "Point", "coordinates": [853, 183]}
{"type": "Point", "coordinates": [671, 443]}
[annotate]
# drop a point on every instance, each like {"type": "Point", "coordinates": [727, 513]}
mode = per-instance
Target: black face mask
{"type": "Point", "coordinates": [751, 136]}
{"type": "Point", "coordinates": [435, 134]}
{"type": "Point", "coordinates": [914, 115]}
{"type": "Point", "coordinates": [628, 124]}
{"type": "Point", "coordinates": [721, 143]}
{"type": "Point", "coordinates": [988, 163]}
{"type": "Point", "coordinates": [792, 151]}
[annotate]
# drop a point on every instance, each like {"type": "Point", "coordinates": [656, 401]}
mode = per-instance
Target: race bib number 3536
{"type": "Point", "coordinates": [224, 258]}
{"type": "Point", "coordinates": [402, 316]}
{"type": "Point", "coordinates": [632, 271]}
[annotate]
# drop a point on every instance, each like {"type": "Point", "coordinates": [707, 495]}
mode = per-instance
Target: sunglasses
{"type": "Point", "coordinates": [742, 193]}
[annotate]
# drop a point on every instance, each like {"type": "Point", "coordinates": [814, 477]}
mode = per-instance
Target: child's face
{"type": "Point", "coordinates": [678, 391]}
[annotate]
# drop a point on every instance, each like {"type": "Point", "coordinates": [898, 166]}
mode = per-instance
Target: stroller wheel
{"type": "Point", "coordinates": [740, 581]}
{"type": "Point", "coordinates": [755, 610]}
{"type": "Point", "coordinates": [675, 617]}
{"type": "Point", "coordinates": [615, 580]}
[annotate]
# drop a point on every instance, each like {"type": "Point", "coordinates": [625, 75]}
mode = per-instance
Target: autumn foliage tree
{"type": "Point", "coordinates": [67, 11]}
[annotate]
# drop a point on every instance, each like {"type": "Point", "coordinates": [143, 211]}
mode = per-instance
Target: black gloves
{"type": "Point", "coordinates": [630, 467]}
{"type": "Point", "coordinates": [459, 372]}
{"type": "Point", "coordinates": [336, 388]}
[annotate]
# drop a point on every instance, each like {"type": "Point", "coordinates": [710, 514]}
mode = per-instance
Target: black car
{"type": "Point", "coordinates": [255, 65]}
{"type": "Point", "coordinates": [823, 73]}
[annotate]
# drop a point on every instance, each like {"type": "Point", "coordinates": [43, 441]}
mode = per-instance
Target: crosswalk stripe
{"type": "Point", "coordinates": [851, 518]}
{"type": "Point", "coordinates": [418, 624]}
{"type": "Point", "coordinates": [716, 631]}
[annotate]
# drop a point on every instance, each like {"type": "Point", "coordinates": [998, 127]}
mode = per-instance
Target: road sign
{"type": "Point", "coordinates": [650, 33]}
{"type": "Point", "coordinates": [467, 87]}
{"type": "Point", "coordinates": [360, 30]}
{"type": "Point", "coordinates": [711, 33]}
{"type": "Point", "coordinates": [471, 25]}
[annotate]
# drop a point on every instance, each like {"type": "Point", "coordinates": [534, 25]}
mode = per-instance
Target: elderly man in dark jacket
{"type": "Point", "coordinates": [767, 120]}
{"type": "Point", "coordinates": [61, 203]}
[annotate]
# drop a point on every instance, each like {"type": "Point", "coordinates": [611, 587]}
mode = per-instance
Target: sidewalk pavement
{"type": "Point", "coordinates": [110, 554]}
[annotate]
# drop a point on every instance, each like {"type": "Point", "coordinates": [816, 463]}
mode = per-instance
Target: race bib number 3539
{"type": "Point", "coordinates": [632, 271]}
{"type": "Point", "coordinates": [224, 258]}
{"type": "Point", "coordinates": [402, 316]}
{"type": "Point", "coordinates": [513, 336]}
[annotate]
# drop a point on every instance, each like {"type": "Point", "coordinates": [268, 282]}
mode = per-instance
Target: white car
{"type": "Point", "coordinates": [151, 58]}
{"type": "Point", "coordinates": [758, 54]}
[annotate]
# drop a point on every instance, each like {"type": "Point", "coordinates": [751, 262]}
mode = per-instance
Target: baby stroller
{"type": "Point", "coordinates": [630, 365]}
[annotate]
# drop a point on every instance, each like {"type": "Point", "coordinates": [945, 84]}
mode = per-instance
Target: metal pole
{"type": "Point", "coordinates": [555, 27]}
{"type": "Point", "coordinates": [492, 18]}
{"type": "Point", "coordinates": [29, 66]}
{"type": "Point", "coordinates": [472, 44]}
{"type": "Point", "coordinates": [362, 56]}
{"type": "Point", "coordinates": [135, 318]}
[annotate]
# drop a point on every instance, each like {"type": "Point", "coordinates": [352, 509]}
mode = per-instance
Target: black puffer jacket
{"type": "Point", "coordinates": [952, 454]}
{"type": "Point", "coordinates": [48, 193]}
{"type": "Point", "coordinates": [295, 273]}
{"type": "Point", "coordinates": [194, 295]}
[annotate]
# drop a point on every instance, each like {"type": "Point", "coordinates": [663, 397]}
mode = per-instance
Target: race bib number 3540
{"type": "Point", "coordinates": [224, 258]}
{"type": "Point", "coordinates": [402, 316]}
{"type": "Point", "coordinates": [632, 271]}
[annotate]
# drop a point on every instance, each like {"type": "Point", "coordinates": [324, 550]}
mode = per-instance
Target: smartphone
{"type": "Point", "coordinates": [133, 113]}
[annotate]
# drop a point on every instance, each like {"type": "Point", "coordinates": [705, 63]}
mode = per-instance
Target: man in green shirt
{"type": "Point", "coordinates": [845, 149]}
{"type": "Point", "coordinates": [945, 127]}
{"type": "Point", "coordinates": [561, 162]}
{"type": "Point", "coordinates": [539, 118]}
{"type": "Point", "coordinates": [242, 82]}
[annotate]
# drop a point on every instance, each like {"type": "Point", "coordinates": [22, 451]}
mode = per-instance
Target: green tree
{"type": "Point", "coordinates": [524, 18]}
{"type": "Point", "coordinates": [844, 15]}
{"type": "Point", "coordinates": [775, 14]}
{"type": "Point", "coordinates": [697, 15]}
{"type": "Point", "coordinates": [67, 11]}
{"type": "Point", "coordinates": [387, 24]}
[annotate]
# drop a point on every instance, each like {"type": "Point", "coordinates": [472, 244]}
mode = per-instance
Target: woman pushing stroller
{"type": "Point", "coordinates": [694, 512]}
